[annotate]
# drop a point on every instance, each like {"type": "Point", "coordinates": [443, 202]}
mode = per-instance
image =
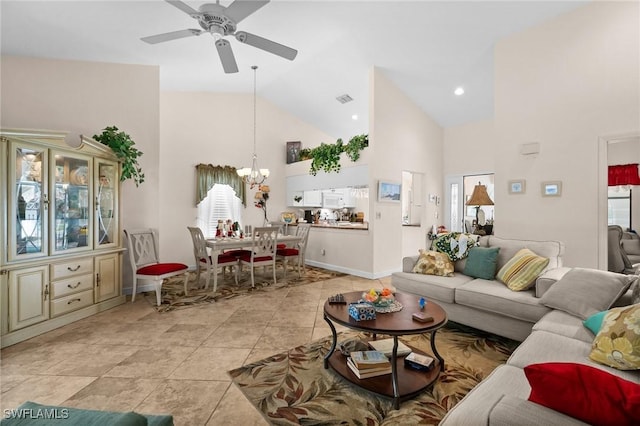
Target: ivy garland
{"type": "Point", "coordinates": [327, 156]}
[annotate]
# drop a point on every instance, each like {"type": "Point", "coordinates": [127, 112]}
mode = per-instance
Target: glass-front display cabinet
{"type": "Point", "coordinates": [60, 230]}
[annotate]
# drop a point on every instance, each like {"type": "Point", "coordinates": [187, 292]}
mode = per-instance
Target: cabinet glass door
{"type": "Point", "coordinates": [28, 203]}
{"type": "Point", "coordinates": [106, 188]}
{"type": "Point", "coordinates": [71, 216]}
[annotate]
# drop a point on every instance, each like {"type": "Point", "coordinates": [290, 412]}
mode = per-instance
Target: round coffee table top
{"type": "Point", "coordinates": [393, 323]}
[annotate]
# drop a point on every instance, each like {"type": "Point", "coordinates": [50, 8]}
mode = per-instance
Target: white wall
{"type": "Point", "coordinates": [402, 137]}
{"type": "Point", "coordinates": [83, 98]}
{"type": "Point", "coordinates": [217, 129]}
{"type": "Point", "coordinates": [470, 149]}
{"type": "Point", "coordinates": [564, 84]}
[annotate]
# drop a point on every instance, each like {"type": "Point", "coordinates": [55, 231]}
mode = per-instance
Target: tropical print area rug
{"type": "Point", "coordinates": [294, 388]}
{"type": "Point", "coordinates": [173, 296]}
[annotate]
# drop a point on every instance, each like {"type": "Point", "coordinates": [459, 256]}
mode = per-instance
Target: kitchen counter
{"type": "Point", "coordinates": [339, 225]}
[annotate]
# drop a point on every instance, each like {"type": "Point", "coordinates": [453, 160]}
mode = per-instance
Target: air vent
{"type": "Point", "coordinates": [343, 99]}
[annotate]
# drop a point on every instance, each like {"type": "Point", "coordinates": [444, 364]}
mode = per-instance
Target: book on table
{"type": "Point", "coordinates": [368, 372]}
{"type": "Point", "coordinates": [386, 347]}
{"type": "Point", "coordinates": [363, 360]}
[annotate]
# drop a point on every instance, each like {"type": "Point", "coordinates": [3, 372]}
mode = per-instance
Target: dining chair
{"type": "Point", "coordinates": [263, 251]}
{"type": "Point", "coordinates": [204, 260]}
{"type": "Point", "coordinates": [145, 261]}
{"type": "Point", "coordinates": [298, 251]}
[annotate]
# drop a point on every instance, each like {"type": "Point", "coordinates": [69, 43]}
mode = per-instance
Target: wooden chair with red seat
{"type": "Point", "coordinates": [203, 259]}
{"type": "Point", "coordinates": [298, 251]}
{"type": "Point", "coordinates": [263, 251]}
{"type": "Point", "coordinates": [145, 261]}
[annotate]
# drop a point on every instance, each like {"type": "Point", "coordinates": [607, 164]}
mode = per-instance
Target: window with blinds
{"type": "Point", "coordinates": [221, 203]}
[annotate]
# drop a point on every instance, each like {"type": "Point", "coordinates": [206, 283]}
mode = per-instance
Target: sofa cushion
{"type": "Point", "coordinates": [481, 262]}
{"type": "Point", "coordinates": [511, 411]}
{"type": "Point", "coordinates": [521, 271]}
{"type": "Point", "coordinates": [433, 263]}
{"type": "Point", "coordinates": [564, 324]}
{"type": "Point", "coordinates": [455, 244]}
{"type": "Point", "coordinates": [429, 286]}
{"type": "Point", "coordinates": [585, 393]}
{"type": "Point", "coordinates": [583, 292]}
{"type": "Point", "coordinates": [494, 297]}
{"type": "Point", "coordinates": [617, 344]}
{"type": "Point", "coordinates": [549, 278]}
{"type": "Point", "coordinates": [631, 246]}
{"type": "Point", "coordinates": [542, 346]}
{"type": "Point", "coordinates": [553, 250]}
{"type": "Point", "coordinates": [475, 407]}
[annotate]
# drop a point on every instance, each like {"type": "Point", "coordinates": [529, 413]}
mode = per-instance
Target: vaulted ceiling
{"type": "Point", "coordinates": [426, 48]}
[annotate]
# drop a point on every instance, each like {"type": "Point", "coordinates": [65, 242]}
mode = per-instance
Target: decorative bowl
{"type": "Point", "coordinates": [379, 298]}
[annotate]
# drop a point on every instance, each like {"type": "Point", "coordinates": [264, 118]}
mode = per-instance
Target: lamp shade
{"type": "Point", "coordinates": [480, 196]}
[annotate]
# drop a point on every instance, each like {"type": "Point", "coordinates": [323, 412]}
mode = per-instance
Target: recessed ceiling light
{"type": "Point", "coordinates": [459, 91]}
{"type": "Point", "coordinates": [354, 117]}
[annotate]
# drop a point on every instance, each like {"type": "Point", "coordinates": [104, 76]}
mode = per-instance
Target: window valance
{"type": "Point", "coordinates": [624, 174]}
{"type": "Point", "coordinates": [208, 175]}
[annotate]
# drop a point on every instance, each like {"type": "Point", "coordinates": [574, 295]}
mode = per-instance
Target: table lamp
{"type": "Point", "coordinates": [479, 198]}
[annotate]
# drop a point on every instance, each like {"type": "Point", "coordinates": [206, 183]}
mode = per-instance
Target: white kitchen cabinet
{"type": "Point", "coordinates": [312, 198]}
{"type": "Point", "coordinates": [296, 199]}
{"type": "Point", "coordinates": [60, 226]}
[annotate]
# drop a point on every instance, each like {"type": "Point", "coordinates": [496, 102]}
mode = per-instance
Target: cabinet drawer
{"type": "Point", "coordinates": [71, 268]}
{"type": "Point", "coordinates": [71, 303]}
{"type": "Point", "coordinates": [71, 285]}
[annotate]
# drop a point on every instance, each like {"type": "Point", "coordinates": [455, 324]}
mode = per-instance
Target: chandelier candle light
{"type": "Point", "coordinates": [254, 176]}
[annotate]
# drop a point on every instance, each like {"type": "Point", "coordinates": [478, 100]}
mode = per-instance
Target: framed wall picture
{"type": "Point", "coordinates": [293, 151]}
{"type": "Point", "coordinates": [551, 188]}
{"type": "Point", "coordinates": [517, 186]}
{"type": "Point", "coordinates": [389, 192]}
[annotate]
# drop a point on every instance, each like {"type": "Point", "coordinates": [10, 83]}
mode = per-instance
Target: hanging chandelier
{"type": "Point", "coordinates": [254, 176]}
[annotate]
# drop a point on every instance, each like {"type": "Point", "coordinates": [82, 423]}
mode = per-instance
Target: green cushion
{"type": "Point", "coordinates": [481, 262]}
{"type": "Point", "coordinates": [34, 414]}
{"type": "Point", "coordinates": [594, 322]}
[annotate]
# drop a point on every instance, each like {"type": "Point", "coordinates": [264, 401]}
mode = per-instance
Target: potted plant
{"type": "Point", "coordinates": [123, 146]}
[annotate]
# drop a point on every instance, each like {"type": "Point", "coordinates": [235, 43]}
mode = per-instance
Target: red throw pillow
{"type": "Point", "coordinates": [585, 393]}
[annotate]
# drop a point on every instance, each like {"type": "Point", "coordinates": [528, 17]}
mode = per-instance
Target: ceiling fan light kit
{"type": "Point", "coordinates": [221, 21]}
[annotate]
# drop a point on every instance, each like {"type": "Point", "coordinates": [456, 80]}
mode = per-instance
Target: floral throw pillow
{"type": "Point", "coordinates": [617, 344]}
{"type": "Point", "coordinates": [433, 263]}
{"type": "Point", "coordinates": [456, 245]}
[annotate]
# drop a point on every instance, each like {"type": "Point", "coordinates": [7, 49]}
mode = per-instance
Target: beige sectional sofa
{"type": "Point", "coordinates": [488, 304]}
{"type": "Point", "coordinates": [548, 335]}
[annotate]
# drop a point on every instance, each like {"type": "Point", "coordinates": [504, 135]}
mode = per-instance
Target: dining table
{"type": "Point", "coordinates": [219, 244]}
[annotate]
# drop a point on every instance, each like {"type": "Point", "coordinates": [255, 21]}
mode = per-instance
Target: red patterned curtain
{"type": "Point", "coordinates": [625, 174]}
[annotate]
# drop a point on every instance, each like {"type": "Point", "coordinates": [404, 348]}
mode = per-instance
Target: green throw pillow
{"type": "Point", "coordinates": [594, 322]}
{"type": "Point", "coordinates": [481, 262]}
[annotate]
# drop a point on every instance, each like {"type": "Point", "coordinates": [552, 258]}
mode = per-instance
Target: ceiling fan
{"type": "Point", "coordinates": [220, 21]}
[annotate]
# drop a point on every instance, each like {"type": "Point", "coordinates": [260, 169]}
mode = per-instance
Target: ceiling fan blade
{"type": "Point", "coordinates": [240, 9]}
{"type": "Point", "coordinates": [160, 38]}
{"type": "Point", "coordinates": [267, 45]}
{"type": "Point", "coordinates": [226, 56]}
{"type": "Point", "coordinates": [183, 7]}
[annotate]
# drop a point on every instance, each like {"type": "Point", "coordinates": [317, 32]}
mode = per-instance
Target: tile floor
{"type": "Point", "coordinates": [134, 358]}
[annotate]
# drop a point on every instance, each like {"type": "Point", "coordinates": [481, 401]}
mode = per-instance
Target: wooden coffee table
{"type": "Point", "coordinates": [404, 382]}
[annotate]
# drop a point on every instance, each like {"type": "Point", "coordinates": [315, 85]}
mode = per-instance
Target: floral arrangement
{"type": "Point", "coordinates": [261, 198]}
{"type": "Point", "coordinates": [382, 297]}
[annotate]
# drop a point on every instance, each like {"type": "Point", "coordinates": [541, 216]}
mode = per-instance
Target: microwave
{"type": "Point", "coordinates": [331, 201]}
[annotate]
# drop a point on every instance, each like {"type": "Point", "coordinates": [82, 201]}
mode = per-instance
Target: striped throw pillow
{"type": "Point", "coordinates": [521, 271]}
